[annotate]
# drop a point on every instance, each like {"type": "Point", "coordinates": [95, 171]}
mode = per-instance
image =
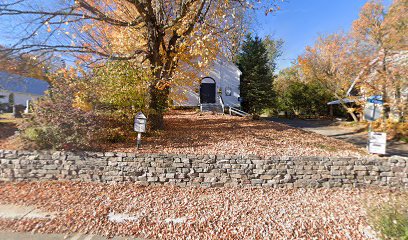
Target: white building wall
{"type": "Point", "coordinates": [19, 98]}
{"type": "Point", "coordinates": [228, 77]}
{"type": "Point", "coordinates": [225, 74]}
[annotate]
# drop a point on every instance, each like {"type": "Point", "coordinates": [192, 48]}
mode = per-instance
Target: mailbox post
{"type": "Point", "coordinates": [140, 127]}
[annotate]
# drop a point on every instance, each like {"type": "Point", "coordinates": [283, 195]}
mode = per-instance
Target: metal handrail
{"type": "Point", "coordinates": [222, 104]}
{"type": "Point", "coordinates": [238, 112]}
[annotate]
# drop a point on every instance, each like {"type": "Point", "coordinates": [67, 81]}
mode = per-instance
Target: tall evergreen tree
{"type": "Point", "coordinates": [11, 100]}
{"type": "Point", "coordinates": [256, 83]}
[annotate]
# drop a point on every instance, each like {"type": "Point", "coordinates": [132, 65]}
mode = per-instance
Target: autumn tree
{"type": "Point", "coordinates": [379, 29]}
{"type": "Point", "coordinates": [284, 86]}
{"type": "Point", "coordinates": [328, 62]}
{"type": "Point", "coordinates": [381, 45]}
{"type": "Point", "coordinates": [158, 35]}
{"type": "Point", "coordinates": [286, 77]}
{"type": "Point", "coordinates": [274, 50]}
{"type": "Point", "coordinates": [371, 59]}
{"type": "Point", "coordinates": [24, 64]}
{"type": "Point", "coordinates": [60, 120]}
{"type": "Point", "coordinates": [296, 94]}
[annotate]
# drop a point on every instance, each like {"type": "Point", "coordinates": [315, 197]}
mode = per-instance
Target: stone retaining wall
{"type": "Point", "coordinates": [207, 170]}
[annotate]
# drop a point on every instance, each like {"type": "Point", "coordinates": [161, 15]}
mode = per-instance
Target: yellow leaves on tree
{"type": "Point", "coordinates": [81, 103]}
{"type": "Point", "coordinates": [381, 48]}
{"type": "Point", "coordinates": [372, 57]}
{"type": "Point", "coordinates": [25, 65]}
{"type": "Point", "coordinates": [159, 35]}
{"type": "Point", "coordinates": [329, 63]}
{"type": "Point", "coordinates": [174, 40]}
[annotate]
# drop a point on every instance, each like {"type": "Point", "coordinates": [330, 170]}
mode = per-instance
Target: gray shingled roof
{"type": "Point", "coordinates": [17, 83]}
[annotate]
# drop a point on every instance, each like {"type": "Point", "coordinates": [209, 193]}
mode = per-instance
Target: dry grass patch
{"type": "Point", "coordinates": [8, 127]}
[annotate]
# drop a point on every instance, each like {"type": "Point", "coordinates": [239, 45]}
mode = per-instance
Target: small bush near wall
{"type": "Point", "coordinates": [395, 130]}
{"type": "Point", "coordinates": [390, 219]}
{"type": "Point", "coordinates": [83, 112]}
{"type": "Point", "coordinates": [57, 125]}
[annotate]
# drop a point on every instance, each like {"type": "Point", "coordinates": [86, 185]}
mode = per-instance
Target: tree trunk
{"type": "Point", "coordinates": [386, 104]}
{"type": "Point", "coordinates": [355, 119]}
{"type": "Point", "coordinates": [398, 103]}
{"type": "Point", "coordinates": [353, 115]}
{"type": "Point", "coordinates": [157, 106]}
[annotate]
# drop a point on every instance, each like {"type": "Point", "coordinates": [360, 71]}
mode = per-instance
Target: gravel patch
{"type": "Point", "coordinates": [167, 212]}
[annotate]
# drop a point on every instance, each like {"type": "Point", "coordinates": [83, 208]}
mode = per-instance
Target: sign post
{"type": "Point", "coordinates": [140, 127]}
{"type": "Point", "coordinates": [376, 140]}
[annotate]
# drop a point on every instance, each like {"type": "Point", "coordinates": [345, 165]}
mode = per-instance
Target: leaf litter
{"type": "Point", "coordinates": [170, 212]}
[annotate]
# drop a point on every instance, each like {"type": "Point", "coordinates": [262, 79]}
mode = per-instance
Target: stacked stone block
{"type": "Point", "coordinates": [204, 170]}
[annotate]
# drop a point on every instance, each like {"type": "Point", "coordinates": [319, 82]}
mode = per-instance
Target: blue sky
{"type": "Point", "coordinates": [300, 22]}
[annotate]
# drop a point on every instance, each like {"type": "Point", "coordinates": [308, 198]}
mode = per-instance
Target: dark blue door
{"type": "Point", "coordinates": [207, 93]}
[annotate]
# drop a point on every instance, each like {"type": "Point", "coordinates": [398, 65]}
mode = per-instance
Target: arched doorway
{"type": "Point", "coordinates": [207, 90]}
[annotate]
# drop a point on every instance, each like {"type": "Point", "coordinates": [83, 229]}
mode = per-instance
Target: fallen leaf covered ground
{"type": "Point", "coordinates": [188, 132]}
{"type": "Point", "coordinates": [168, 212]}
{"type": "Point", "coordinates": [8, 127]}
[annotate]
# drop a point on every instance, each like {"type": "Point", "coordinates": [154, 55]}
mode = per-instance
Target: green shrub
{"type": "Point", "coordinates": [390, 219]}
{"type": "Point", "coordinates": [300, 97]}
{"type": "Point", "coordinates": [58, 123]}
{"type": "Point", "coordinates": [55, 124]}
{"type": "Point", "coordinates": [36, 134]}
{"type": "Point", "coordinates": [87, 110]}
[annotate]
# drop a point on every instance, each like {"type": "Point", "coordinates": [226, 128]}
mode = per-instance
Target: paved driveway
{"type": "Point", "coordinates": [348, 134]}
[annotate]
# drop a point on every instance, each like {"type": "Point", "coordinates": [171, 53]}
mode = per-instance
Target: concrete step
{"type": "Point", "coordinates": [211, 107]}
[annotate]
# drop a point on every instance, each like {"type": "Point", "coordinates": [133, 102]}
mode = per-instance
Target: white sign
{"type": "Point", "coordinates": [140, 123]}
{"type": "Point", "coordinates": [377, 142]}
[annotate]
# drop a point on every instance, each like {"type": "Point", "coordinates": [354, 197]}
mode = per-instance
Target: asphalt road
{"type": "Point", "coordinates": [348, 134]}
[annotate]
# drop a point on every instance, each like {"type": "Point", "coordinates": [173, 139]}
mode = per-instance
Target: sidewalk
{"type": "Point", "coordinates": [347, 134]}
{"type": "Point", "coordinates": [17, 212]}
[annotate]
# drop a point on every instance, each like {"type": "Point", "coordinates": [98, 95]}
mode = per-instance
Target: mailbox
{"type": "Point", "coordinates": [140, 122]}
{"type": "Point", "coordinates": [228, 91]}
